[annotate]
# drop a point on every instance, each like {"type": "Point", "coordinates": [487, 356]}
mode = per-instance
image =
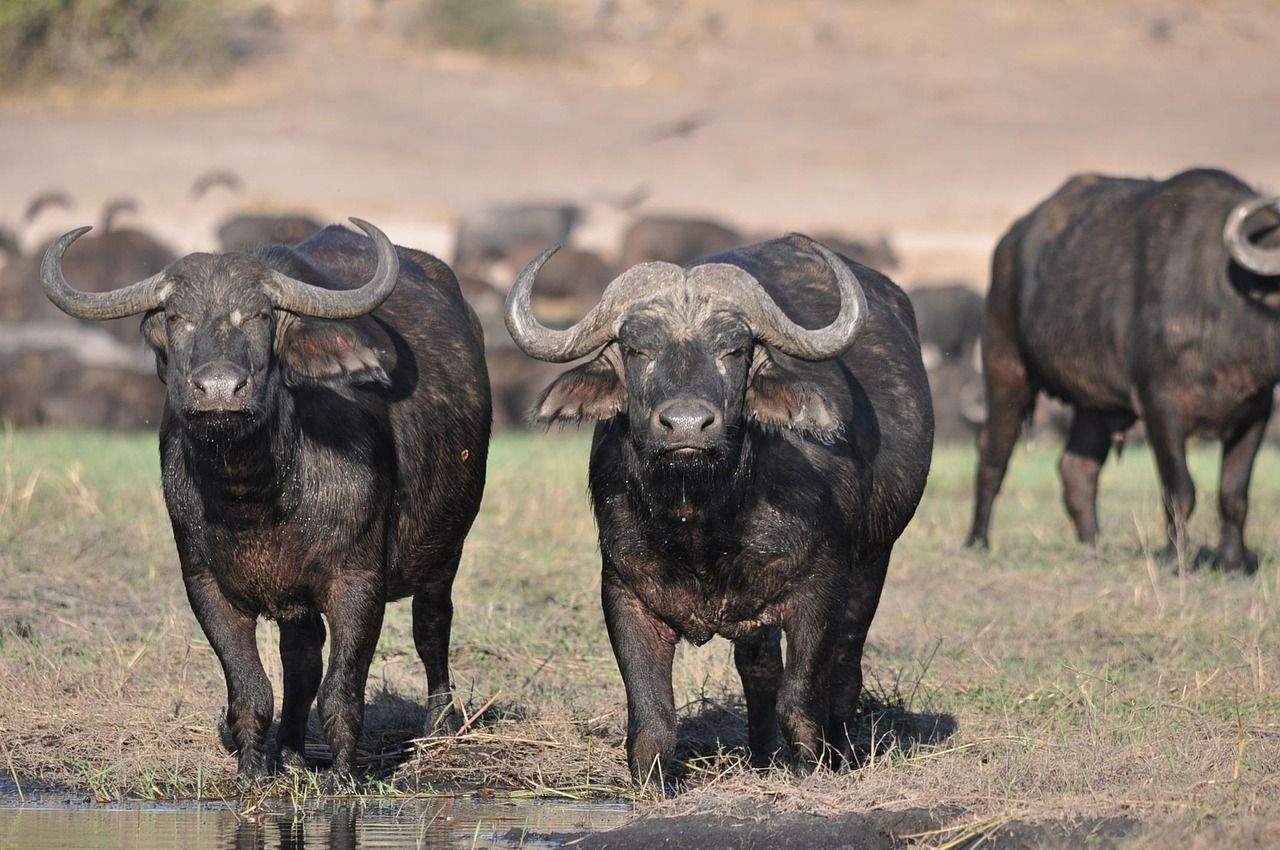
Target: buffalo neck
{"type": "Point", "coordinates": [693, 515]}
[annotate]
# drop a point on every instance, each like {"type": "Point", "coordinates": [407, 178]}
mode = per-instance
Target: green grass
{"type": "Point", "coordinates": [80, 40]}
{"type": "Point", "coordinates": [511, 29]}
{"type": "Point", "coordinates": [1037, 681]}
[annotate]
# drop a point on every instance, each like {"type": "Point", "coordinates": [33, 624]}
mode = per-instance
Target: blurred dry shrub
{"type": "Point", "coordinates": [44, 40]}
{"type": "Point", "coordinates": [514, 29]}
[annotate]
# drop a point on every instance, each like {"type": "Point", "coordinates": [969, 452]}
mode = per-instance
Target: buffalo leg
{"type": "Point", "coordinates": [1238, 453]}
{"type": "Point", "coordinates": [356, 604]}
{"type": "Point", "coordinates": [1011, 393]}
{"type": "Point", "coordinates": [432, 623]}
{"type": "Point", "coordinates": [1168, 441]}
{"type": "Point", "coordinates": [804, 699]}
{"type": "Point", "coordinates": [759, 661]}
{"type": "Point", "coordinates": [1088, 444]}
{"type": "Point", "coordinates": [249, 700]}
{"type": "Point", "coordinates": [1010, 396]}
{"type": "Point", "coordinates": [846, 665]}
{"type": "Point", "coordinates": [644, 648]}
{"type": "Point", "coordinates": [301, 643]}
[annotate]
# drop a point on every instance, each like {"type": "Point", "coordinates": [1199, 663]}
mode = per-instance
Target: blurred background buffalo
{"type": "Point", "coordinates": [628, 130]}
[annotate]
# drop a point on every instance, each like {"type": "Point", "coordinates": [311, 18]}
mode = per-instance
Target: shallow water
{"type": "Point", "coordinates": [452, 822]}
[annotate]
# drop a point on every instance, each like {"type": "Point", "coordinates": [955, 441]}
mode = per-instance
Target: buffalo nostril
{"type": "Point", "coordinates": [219, 380]}
{"type": "Point", "coordinates": [687, 420]}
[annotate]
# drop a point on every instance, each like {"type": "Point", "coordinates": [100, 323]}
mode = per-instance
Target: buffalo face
{"type": "Point", "coordinates": [228, 329]}
{"type": "Point", "coordinates": [689, 357]}
{"type": "Point", "coordinates": [214, 338]}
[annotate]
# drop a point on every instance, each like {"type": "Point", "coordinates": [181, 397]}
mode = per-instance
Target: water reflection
{"type": "Point", "coordinates": [337, 826]}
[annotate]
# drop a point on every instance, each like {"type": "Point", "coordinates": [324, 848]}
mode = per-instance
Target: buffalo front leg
{"type": "Point", "coordinates": [249, 700]}
{"type": "Point", "coordinates": [1010, 397]}
{"type": "Point", "coordinates": [846, 665]}
{"type": "Point", "coordinates": [355, 607]}
{"type": "Point", "coordinates": [1010, 392]}
{"type": "Point", "coordinates": [804, 698]}
{"type": "Point", "coordinates": [758, 658]}
{"type": "Point", "coordinates": [301, 645]}
{"type": "Point", "coordinates": [1238, 453]}
{"type": "Point", "coordinates": [1169, 444]}
{"type": "Point", "coordinates": [432, 624]}
{"type": "Point", "coordinates": [644, 648]}
{"type": "Point", "coordinates": [1088, 444]}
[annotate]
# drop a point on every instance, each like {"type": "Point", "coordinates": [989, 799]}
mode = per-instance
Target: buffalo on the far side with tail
{"type": "Point", "coordinates": [1131, 299]}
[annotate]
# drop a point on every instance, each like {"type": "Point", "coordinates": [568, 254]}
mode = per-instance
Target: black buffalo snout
{"type": "Point", "coordinates": [219, 381]}
{"type": "Point", "coordinates": [686, 423]}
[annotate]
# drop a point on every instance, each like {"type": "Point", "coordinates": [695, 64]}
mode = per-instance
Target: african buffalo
{"type": "Point", "coordinates": [73, 375]}
{"type": "Point", "coordinates": [246, 231]}
{"type": "Point", "coordinates": [109, 259]}
{"type": "Point", "coordinates": [877, 253]}
{"type": "Point", "coordinates": [1127, 299]}
{"type": "Point", "coordinates": [949, 316]}
{"type": "Point", "coordinates": [495, 233]}
{"type": "Point", "coordinates": [763, 437]}
{"type": "Point", "coordinates": [675, 239]}
{"type": "Point", "coordinates": [322, 450]}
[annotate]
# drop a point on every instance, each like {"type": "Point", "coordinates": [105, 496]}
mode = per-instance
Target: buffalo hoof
{"type": "Point", "coordinates": [292, 759]}
{"type": "Point", "coordinates": [251, 768]}
{"type": "Point", "coordinates": [1245, 563]}
{"type": "Point", "coordinates": [1170, 555]}
{"type": "Point", "coordinates": [225, 737]}
{"type": "Point", "coordinates": [764, 758]}
{"type": "Point", "coordinates": [977, 542]}
{"type": "Point", "coordinates": [442, 721]}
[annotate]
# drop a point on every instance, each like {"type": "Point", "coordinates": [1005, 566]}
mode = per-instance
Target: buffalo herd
{"type": "Point", "coordinates": [764, 414]}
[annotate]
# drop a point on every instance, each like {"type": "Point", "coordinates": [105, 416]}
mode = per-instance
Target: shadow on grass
{"type": "Point", "coordinates": [886, 726]}
{"type": "Point", "coordinates": [391, 724]}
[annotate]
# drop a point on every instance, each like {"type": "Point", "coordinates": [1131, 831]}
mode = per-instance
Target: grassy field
{"type": "Point", "coordinates": [1037, 683]}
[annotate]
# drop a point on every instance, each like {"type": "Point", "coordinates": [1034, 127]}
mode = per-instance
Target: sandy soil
{"type": "Point", "coordinates": [935, 121]}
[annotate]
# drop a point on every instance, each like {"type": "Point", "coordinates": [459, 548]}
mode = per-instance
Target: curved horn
{"type": "Point", "coordinates": [304, 299]}
{"type": "Point", "coordinates": [112, 209]}
{"type": "Point", "coordinates": [51, 198]}
{"type": "Point", "coordinates": [217, 177]}
{"type": "Point", "coordinates": [137, 297]}
{"type": "Point", "coordinates": [1263, 261]}
{"type": "Point", "coordinates": [594, 330]}
{"type": "Point", "coordinates": [771, 324]}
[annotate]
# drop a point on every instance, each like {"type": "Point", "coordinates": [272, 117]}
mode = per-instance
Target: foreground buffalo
{"type": "Point", "coordinates": [1126, 299]}
{"type": "Point", "coordinates": [748, 474]}
{"type": "Point", "coordinates": [322, 450]}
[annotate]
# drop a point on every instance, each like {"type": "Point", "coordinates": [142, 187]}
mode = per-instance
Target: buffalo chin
{"type": "Point", "coordinates": [220, 424]}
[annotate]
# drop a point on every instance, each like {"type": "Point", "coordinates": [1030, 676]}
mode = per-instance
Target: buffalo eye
{"type": "Point", "coordinates": [634, 354]}
{"type": "Point", "coordinates": [261, 316]}
{"type": "Point", "coordinates": [175, 319]}
{"type": "Point", "coordinates": [734, 354]}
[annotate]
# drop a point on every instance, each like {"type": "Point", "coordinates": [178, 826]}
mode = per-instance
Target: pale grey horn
{"type": "Point", "coordinates": [595, 329]}
{"type": "Point", "coordinates": [1263, 261]}
{"type": "Point", "coordinates": [773, 326]}
{"type": "Point", "coordinates": [135, 298]}
{"type": "Point", "coordinates": [303, 299]}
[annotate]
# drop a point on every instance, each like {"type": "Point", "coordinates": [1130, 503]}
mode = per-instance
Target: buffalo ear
{"type": "Point", "coordinates": [776, 397]}
{"type": "Point", "coordinates": [594, 390]}
{"type": "Point", "coordinates": [315, 352]}
{"type": "Point", "coordinates": [154, 335]}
